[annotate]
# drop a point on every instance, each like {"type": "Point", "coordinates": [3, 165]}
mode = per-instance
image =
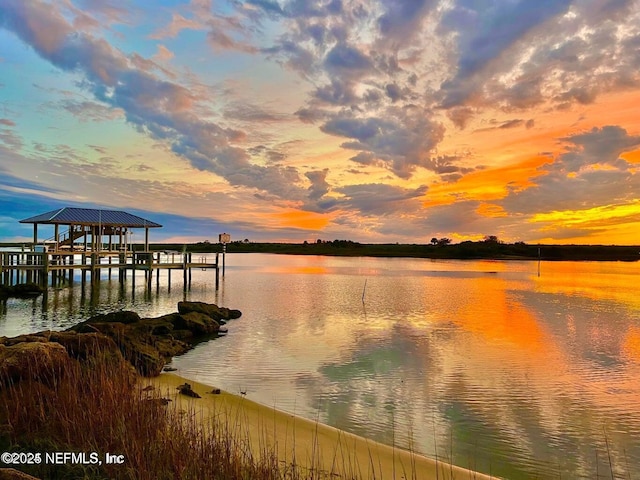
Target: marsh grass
{"type": "Point", "coordinates": [99, 406]}
{"type": "Point", "coordinates": [96, 407]}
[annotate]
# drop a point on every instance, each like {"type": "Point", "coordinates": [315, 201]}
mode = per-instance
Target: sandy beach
{"type": "Point", "coordinates": [302, 442]}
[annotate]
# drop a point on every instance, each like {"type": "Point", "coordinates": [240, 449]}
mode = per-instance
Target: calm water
{"type": "Point", "coordinates": [481, 362]}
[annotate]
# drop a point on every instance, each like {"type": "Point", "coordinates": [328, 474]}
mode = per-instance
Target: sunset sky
{"type": "Point", "coordinates": [292, 120]}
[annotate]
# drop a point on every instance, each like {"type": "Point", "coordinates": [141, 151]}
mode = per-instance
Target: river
{"type": "Point", "coordinates": [484, 363]}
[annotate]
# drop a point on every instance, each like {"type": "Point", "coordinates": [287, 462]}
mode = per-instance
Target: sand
{"type": "Point", "coordinates": [302, 442]}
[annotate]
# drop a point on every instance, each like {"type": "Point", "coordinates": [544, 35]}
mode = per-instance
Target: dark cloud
{"type": "Point", "coordinates": [344, 57]}
{"type": "Point", "coordinates": [248, 112]}
{"type": "Point", "coordinates": [517, 55]}
{"type": "Point", "coordinates": [91, 111]}
{"type": "Point", "coordinates": [460, 116]}
{"type": "Point", "coordinates": [512, 124]}
{"type": "Point", "coordinates": [380, 199]}
{"type": "Point", "coordinates": [401, 141]}
{"type": "Point", "coordinates": [268, 6]}
{"type": "Point", "coordinates": [589, 174]}
{"type": "Point", "coordinates": [297, 57]}
{"type": "Point", "coordinates": [336, 93]}
{"type": "Point", "coordinates": [486, 29]}
{"type": "Point", "coordinates": [269, 154]}
{"type": "Point", "coordinates": [402, 19]}
{"type": "Point", "coordinates": [319, 185]}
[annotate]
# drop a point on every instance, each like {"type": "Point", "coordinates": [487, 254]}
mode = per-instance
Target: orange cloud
{"type": "Point", "coordinates": [488, 184]}
{"type": "Point", "coordinates": [632, 157]}
{"type": "Point", "coordinates": [301, 219]}
{"type": "Point", "coordinates": [490, 210]}
{"type": "Point", "coordinates": [596, 216]}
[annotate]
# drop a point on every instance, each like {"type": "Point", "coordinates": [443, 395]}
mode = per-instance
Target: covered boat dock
{"type": "Point", "coordinates": [90, 240]}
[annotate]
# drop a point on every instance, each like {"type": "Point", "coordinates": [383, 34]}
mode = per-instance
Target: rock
{"type": "Point", "coordinates": [229, 314]}
{"type": "Point", "coordinates": [86, 345]}
{"type": "Point", "coordinates": [196, 322]}
{"type": "Point", "coordinates": [122, 316]}
{"type": "Point", "coordinates": [215, 391]}
{"type": "Point", "coordinates": [28, 338]}
{"type": "Point", "coordinates": [144, 357]}
{"type": "Point", "coordinates": [13, 474]}
{"type": "Point", "coordinates": [146, 343]}
{"type": "Point", "coordinates": [185, 389]}
{"type": "Point", "coordinates": [169, 369]}
{"type": "Point", "coordinates": [38, 361]}
{"type": "Point", "coordinates": [209, 309]}
{"type": "Point", "coordinates": [21, 290]}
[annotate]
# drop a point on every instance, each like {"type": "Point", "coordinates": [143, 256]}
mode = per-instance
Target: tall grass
{"type": "Point", "coordinates": [99, 407]}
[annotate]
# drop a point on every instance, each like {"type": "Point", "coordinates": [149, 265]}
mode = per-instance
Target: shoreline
{"type": "Point", "coordinates": [301, 442]}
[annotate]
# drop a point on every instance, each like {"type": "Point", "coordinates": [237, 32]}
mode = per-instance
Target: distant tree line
{"type": "Point", "coordinates": [490, 247]}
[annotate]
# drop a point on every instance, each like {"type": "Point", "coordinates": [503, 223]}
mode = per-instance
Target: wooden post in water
{"type": "Point", "coordinates": [45, 269]}
{"type": "Point", "coordinates": [133, 267]}
{"type": "Point", "coordinates": [539, 258]}
{"type": "Point", "coordinates": [184, 271]}
{"type": "Point", "coordinates": [217, 272]}
{"type": "Point", "coordinates": [121, 264]}
{"type": "Point", "coordinates": [149, 269]}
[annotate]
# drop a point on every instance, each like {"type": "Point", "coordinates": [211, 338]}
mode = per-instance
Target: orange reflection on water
{"type": "Point", "coordinates": [500, 319]}
{"type": "Point", "coordinates": [631, 344]}
{"type": "Point", "coordinates": [615, 282]}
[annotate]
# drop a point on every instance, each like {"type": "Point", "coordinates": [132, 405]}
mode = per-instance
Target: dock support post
{"type": "Point", "coordinates": [133, 269]}
{"type": "Point", "coordinates": [184, 271]}
{"type": "Point", "coordinates": [122, 267]}
{"type": "Point", "coordinates": [149, 269]}
{"type": "Point", "coordinates": [45, 269]}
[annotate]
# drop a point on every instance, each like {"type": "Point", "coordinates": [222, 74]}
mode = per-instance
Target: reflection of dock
{"type": "Point", "coordinates": [94, 240]}
{"type": "Point", "coordinates": [38, 267]}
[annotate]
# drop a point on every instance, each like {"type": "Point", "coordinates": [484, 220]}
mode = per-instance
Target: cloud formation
{"type": "Point", "coordinates": [364, 111]}
{"type": "Point", "coordinates": [157, 107]}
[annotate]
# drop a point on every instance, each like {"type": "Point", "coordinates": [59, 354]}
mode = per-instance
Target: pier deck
{"type": "Point", "coordinates": [52, 265]}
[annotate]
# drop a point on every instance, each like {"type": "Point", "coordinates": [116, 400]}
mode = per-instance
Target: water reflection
{"type": "Point", "coordinates": [483, 362]}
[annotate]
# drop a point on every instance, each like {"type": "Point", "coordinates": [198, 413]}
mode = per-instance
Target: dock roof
{"type": "Point", "coordinates": [91, 216]}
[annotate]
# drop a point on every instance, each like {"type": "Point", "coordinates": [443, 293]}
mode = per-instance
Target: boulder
{"type": "Point", "coordinates": [28, 338]}
{"type": "Point", "coordinates": [197, 323]}
{"type": "Point", "coordinates": [122, 316]}
{"type": "Point", "coordinates": [38, 361]}
{"type": "Point", "coordinates": [13, 474]}
{"type": "Point", "coordinates": [21, 290]}
{"type": "Point", "coordinates": [146, 343]}
{"type": "Point", "coordinates": [209, 309]}
{"type": "Point", "coordinates": [85, 345]}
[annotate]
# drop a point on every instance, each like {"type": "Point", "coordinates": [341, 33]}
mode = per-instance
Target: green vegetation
{"type": "Point", "coordinates": [489, 248]}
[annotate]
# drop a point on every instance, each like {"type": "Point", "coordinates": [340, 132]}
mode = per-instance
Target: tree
{"type": "Point", "coordinates": [434, 241]}
{"type": "Point", "coordinates": [491, 239]}
{"type": "Point", "coordinates": [444, 241]}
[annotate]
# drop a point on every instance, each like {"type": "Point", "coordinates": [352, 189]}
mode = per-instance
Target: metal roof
{"type": "Point", "coordinates": [91, 216]}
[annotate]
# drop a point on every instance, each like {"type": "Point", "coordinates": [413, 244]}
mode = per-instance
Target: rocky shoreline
{"type": "Point", "coordinates": [147, 344]}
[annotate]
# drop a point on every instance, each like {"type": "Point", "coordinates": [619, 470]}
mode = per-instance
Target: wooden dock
{"type": "Point", "coordinates": [55, 266]}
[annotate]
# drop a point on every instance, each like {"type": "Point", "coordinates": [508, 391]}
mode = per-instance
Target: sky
{"type": "Point", "coordinates": [289, 120]}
